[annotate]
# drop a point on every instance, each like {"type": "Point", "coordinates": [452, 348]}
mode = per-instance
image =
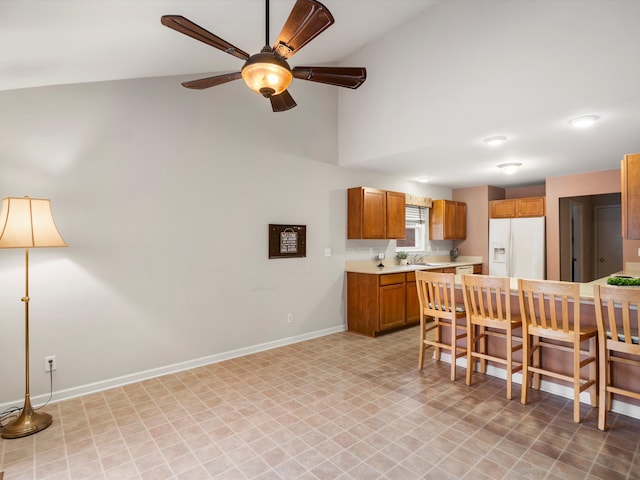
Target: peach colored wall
{"type": "Point", "coordinates": [523, 192]}
{"type": "Point", "coordinates": [595, 183]}
{"type": "Point", "coordinates": [477, 200]}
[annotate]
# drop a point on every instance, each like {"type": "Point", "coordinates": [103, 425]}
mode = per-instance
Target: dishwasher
{"type": "Point", "coordinates": [464, 270]}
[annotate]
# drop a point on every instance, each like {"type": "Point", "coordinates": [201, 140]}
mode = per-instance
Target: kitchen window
{"type": "Point", "coordinates": [416, 229]}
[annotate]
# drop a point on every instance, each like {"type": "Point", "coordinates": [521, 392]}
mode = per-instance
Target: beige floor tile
{"type": "Point", "coordinates": [341, 407]}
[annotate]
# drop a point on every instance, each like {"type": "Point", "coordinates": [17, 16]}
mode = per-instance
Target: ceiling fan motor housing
{"type": "Point", "coordinates": [267, 73]}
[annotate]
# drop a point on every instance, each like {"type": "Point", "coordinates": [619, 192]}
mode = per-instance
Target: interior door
{"type": "Point", "coordinates": [608, 240]}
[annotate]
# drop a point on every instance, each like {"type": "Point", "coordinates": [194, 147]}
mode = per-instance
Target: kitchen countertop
{"type": "Point", "coordinates": [390, 266]}
{"type": "Point", "coordinates": [369, 267]}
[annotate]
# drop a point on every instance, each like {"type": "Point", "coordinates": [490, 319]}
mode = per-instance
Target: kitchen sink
{"type": "Point", "coordinates": [434, 264]}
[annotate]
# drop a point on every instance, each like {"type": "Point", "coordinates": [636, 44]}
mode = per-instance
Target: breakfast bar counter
{"type": "Point", "coordinates": [381, 300]}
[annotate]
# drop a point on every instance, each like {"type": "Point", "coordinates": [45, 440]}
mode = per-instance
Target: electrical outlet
{"type": "Point", "coordinates": [49, 363]}
{"type": "Point", "coordinates": [327, 252]}
{"type": "Point", "coordinates": [289, 317]}
{"type": "Point", "coordinates": [380, 256]}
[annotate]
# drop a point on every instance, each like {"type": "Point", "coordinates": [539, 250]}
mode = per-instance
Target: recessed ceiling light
{"type": "Point", "coordinates": [423, 179]}
{"type": "Point", "coordinates": [584, 121]}
{"type": "Point", "coordinates": [509, 168]}
{"type": "Point", "coordinates": [495, 140]}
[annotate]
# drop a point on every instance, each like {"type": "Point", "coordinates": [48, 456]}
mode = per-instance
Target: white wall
{"type": "Point", "coordinates": [164, 196]}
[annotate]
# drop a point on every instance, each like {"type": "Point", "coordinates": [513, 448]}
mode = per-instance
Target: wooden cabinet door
{"type": "Point", "coordinates": [436, 220]}
{"type": "Point", "coordinates": [502, 208]}
{"type": "Point", "coordinates": [449, 220]}
{"type": "Point", "coordinates": [413, 304]}
{"type": "Point", "coordinates": [366, 213]}
{"type": "Point", "coordinates": [374, 213]}
{"type": "Point", "coordinates": [630, 170]}
{"type": "Point", "coordinates": [392, 306]}
{"type": "Point", "coordinates": [530, 207]}
{"type": "Point", "coordinates": [460, 220]}
{"type": "Point", "coordinates": [395, 215]}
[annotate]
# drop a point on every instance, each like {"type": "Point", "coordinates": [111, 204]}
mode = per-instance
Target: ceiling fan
{"type": "Point", "coordinates": [268, 73]}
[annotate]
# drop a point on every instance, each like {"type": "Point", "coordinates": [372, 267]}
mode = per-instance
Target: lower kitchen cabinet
{"type": "Point", "coordinates": [377, 303]}
{"type": "Point", "coordinates": [383, 302]}
{"type": "Point", "coordinates": [412, 303]}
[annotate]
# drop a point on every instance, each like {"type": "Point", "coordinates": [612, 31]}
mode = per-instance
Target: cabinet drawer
{"type": "Point", "coordinates": [391, 278]}
{"type": "Point", "coordinates": [411, 277]}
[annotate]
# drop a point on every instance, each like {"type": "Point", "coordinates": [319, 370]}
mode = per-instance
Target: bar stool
{"type": "Point", "coordinates": [550, 313]}
{"type": "Point", "coordinates": [617, 317]}
{"type": "Point", "coordinates": [436, 294]}
{"type": "Point", "coordinates": [487, 301]}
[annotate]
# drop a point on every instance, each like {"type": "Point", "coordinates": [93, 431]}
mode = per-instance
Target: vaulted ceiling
{"type": "Point", "coordinates": [443, 74]}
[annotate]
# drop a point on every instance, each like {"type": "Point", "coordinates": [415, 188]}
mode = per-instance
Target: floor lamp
{"type": "Point", "coordinates": [27, 223]}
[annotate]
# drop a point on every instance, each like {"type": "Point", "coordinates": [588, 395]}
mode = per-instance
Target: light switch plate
{"type": "Point", "coordinates": [327, 252]}
{"type": "Point", "coordinates": [381, 255]}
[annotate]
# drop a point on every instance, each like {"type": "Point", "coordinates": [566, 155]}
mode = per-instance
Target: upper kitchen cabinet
{"type": "Point", "coordinates": [517, 207]}
{"type": "Point", "coordinates": [448, 220]}
{"type": "Point", "coordinates": [631, 196]}
{"type": "Point", "coordinates": [375, 214]}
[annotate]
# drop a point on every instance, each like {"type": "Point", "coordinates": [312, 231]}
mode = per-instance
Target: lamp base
{"type": "Point", "coordinates": [27, 423]}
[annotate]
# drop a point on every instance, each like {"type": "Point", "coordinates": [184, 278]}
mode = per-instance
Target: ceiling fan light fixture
{"type": "Point", "coordinates": [509, 168]}
{"type": "Point", "coordinates": [266, 74]}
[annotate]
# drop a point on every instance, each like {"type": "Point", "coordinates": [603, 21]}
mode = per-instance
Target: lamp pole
{"type": "Point", "coordinates": [29, 420]}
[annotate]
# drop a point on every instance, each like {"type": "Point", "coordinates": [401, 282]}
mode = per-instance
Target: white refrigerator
{"type": "Point", "coordinates": [517, 247]}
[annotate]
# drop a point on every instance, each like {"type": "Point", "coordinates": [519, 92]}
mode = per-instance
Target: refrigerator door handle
{"type": "Point", "coordinates": [510, 253]}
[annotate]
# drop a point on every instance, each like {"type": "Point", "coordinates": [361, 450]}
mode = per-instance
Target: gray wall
{"type": "Point", "coordinates": [164, 196]}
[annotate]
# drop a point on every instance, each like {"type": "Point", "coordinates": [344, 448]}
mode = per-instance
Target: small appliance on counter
{"type": "Point", "coordinates": [453, 254]}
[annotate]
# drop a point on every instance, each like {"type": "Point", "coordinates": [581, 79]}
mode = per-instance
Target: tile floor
{"type": "Point", "coordinates": [338, 407]}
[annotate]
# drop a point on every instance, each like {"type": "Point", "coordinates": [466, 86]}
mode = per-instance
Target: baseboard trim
{"type": "Point", "coordinates": [617, 406]}
{"type": "Point", "coordinates": [174, 368]}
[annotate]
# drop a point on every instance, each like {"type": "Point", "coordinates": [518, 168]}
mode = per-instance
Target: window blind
{"type": "Point", "coordinates": [415, 214]}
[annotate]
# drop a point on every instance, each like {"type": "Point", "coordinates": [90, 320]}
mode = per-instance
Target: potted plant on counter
{"type": "Point", "coordinates": [402, 257]}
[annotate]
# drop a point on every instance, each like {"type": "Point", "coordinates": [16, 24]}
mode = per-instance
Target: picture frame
{"type": "Point", "coordinates": [287, 241]}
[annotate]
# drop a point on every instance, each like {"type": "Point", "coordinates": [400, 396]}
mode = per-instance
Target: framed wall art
{"type": "Point", "coordinates": [287, 241]}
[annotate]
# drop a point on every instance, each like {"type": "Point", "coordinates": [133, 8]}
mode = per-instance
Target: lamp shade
{"type": "Point", "coordinates": [28, 223]}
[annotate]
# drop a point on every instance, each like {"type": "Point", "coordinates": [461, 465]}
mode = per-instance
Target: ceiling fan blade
{"type": "Point", "coordinates": [349, 77]}
{"type": "Point", "coordinates": [212, 81]}
{"type": "Point", "coordinates": [187, 27]}
{"type": "Point", "coordinates": [307, 20]}
{"type": "Point", "coordinates": [282, 102]}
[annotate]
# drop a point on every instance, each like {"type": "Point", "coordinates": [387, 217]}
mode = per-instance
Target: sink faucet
{"type": "Point", "coordinates": [417, 259]}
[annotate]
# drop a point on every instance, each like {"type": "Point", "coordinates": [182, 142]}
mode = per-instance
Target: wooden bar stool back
{"type": "Point", "coordinates": [617, 317]}
{"type": "Point", "coordinates": [550, 313]}
{"type": "Point", "coordinates": [487, 301]}
{"type": "Point", "coordinates": [438, 309]}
